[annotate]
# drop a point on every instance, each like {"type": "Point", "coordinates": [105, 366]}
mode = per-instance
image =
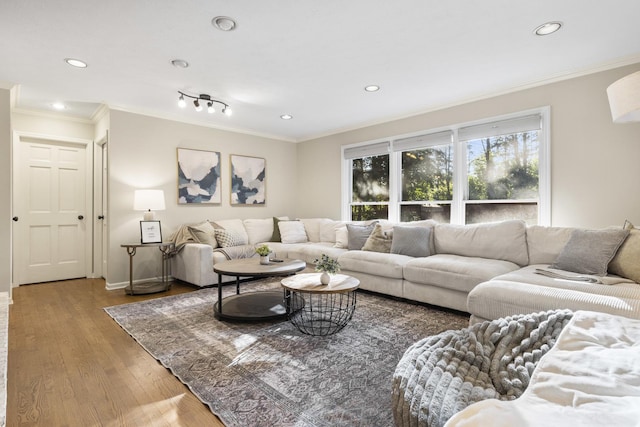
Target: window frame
{"type": "Point", "coordinates": [460, 179]}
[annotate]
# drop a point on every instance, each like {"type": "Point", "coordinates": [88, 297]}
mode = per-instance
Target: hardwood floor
{"type": "Point", "coordinates": [70, 364]}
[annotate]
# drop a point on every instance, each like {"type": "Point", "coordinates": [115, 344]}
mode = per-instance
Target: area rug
{"type": "Point", "coordinates": [270, 374]}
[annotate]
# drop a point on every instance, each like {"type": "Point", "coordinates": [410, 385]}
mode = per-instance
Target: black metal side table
{"type": "Point", "coordinates": [317, 309]}
{"type": "Point", "coordinates": [155, 286]}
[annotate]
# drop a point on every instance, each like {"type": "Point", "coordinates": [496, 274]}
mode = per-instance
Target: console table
{"type": "Point", "coordinates": [155, 286]}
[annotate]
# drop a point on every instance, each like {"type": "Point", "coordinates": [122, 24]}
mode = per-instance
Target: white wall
{"type": "Point", "coordinates": [5, 191]}
{"type": "Point", "coordinates": [143, 154]}
{"type": "Point", "coordinates": [594, 162]}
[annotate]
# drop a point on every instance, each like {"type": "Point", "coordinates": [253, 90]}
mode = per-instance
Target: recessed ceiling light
{"type": "Point", "coordinates": [180, 63]}
{"type": "Point", "coordinates": [372, 88]}
{"type": "Point", "coordinates": [75, 63]}
{"type": "Point", "coordinates": [224, 23]}
{"type": "Point", "coordinates": [286, 117]}
{"type": "Point", "coordinates": [59, 106]}
{"type": "Point", "coordinates": [547, 28]}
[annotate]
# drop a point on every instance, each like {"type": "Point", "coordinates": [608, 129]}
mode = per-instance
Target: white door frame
{"type": "Point", "coordinates": [18, 137]}
{"type": "Point", "coordinates": [100, 206]}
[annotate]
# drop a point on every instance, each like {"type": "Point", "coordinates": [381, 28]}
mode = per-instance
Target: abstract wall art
{"type": "Point", "coordinates": [248, 180]}
{"type": "Point", "coordinates": [198, 176]}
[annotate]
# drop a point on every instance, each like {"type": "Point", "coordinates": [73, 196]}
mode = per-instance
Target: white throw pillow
{"type": "Point", "coordinates": [342, 238]}
{"type": "Point", "coordinates": [292, 232]}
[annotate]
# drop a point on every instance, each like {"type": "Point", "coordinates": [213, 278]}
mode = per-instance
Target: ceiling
{"type": "Point", "coordinates": [308, 58]}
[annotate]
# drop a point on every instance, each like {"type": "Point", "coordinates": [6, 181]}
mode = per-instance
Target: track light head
{"type": "Point", "coordinates": [181, 102]}
{"type": "Point", "coordinates": [226, 110]}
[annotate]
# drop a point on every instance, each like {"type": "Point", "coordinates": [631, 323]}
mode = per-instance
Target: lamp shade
{"type": "Point", "coordinates": [624, 99]}
{"type": "Point", "coordinates": [148, 200]}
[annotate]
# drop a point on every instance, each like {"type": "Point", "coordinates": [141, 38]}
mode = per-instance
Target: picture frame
{"type": "Point", "coordinates": [199, 178]}
{"type": "Point", "coordinates": [150, 232]}
{"type": "Point", "coordinates": [248, 181]}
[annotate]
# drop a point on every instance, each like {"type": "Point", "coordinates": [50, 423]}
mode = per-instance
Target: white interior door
{"type": "Point", "coordinates": [51, 232]}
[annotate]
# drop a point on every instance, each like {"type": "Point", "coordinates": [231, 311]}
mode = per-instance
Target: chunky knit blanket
{"type": "Point", "coordinates": [443, 374]}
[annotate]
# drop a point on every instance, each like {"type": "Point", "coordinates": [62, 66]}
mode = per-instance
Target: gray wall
{"type": "Point", "coordinates": [594, 162]}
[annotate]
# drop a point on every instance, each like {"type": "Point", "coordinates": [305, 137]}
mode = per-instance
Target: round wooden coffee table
{"type": "Point", "coordinates": [317, 309]}
{"type": "Point", "coordinates": [260, 305]}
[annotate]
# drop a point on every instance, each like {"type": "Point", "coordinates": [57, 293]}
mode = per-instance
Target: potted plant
{"type": "Point", "coordinates": [327, 266]}
{"type": "Point", "coordinates": [264, 251]}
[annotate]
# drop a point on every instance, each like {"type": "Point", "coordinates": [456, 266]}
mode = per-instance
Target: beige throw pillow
{"type": "Point", "coordinates": [626, 263]}
{"type": "Point", "coordinates": [204, 233]}
{"type": "Point", "coordinates": [379, 240]}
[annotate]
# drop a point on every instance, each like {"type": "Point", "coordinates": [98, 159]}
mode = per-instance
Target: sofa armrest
{"type": "Point", "coordinates": [194, 264]}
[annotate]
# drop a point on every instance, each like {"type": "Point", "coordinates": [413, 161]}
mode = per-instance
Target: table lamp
{"type": "Point", "coordinates": [148, 201]}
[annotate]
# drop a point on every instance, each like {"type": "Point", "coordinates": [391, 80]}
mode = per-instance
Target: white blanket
{"type": "Point", "coordinates": [591, 377]}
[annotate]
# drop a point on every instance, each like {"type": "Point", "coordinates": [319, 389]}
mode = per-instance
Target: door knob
{"type": "Point", "coordinates": [100, 216]}
{"type": "Point", "coordinates": [15, 218]}
{"type": "Point", "coordinates": [80, 217]}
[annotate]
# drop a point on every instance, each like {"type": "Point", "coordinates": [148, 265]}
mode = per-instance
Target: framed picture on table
{"type": "Point", "coordinates": [150, 232]}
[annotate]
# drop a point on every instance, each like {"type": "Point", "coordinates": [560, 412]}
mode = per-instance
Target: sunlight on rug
{"type": "Point", "coordinates": [270, 374]}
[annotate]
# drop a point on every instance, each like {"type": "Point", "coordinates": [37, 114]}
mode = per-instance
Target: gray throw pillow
{"type": "Point", "coordinates": [412, 241]}
{"type": "Point", "coordinates": [358, 235]}
{"type": "Point", "coordinates": [590, 251]}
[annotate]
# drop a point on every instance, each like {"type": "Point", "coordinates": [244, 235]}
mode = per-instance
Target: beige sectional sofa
{"type": "Point", "coordinates": [488, 270]}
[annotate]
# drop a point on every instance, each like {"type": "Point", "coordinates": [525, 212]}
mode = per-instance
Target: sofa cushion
{"type": "Point", "coordinates": [379, 240]}
{"type": "Point", "coordinates": [626, 263]}
{"type": "Point", "coordinates": [308, 252]}
{"type": "Point", "coordinates": [501, 241]}
{"type": "Point", "coordinates": [374, 263]}
{"type": "Point", "coordinates": [590, 251]}
{"type": "Point", "coordinates": [258, 230]}
{"type": "Point", "coordinates": [292, 232]}
{"type": "Point", "coordinates": [313, 227]}
{"type": "Point", "coordinates": [412, 241]}
{"type": "Point", "coordinates": [358, 235]}
{"type": "Point", "coordinates": [204, 233]}
{"type": "Point", "coordinates": [460, 273]}
{"type": "Point", "coordinates": [545, 243]}
{"type": "Point", "coordinates": [328, 230]}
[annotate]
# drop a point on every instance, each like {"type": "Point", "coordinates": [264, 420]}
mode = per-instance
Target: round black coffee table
{"type": "Point", "coordinates": [260, 305]}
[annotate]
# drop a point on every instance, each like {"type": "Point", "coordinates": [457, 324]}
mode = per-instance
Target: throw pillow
{"type": "Point", "coordinates": [292, 232]}
{"type": "Point", "coordinates": [412, 241]}
{"type": "Point", "coordinates": [358, 235]}
{"type": "Point", "coordinates": [228, 238]}
{"type": "Point", "coordinates": [342, 238]}
{"type": "Point", "coordinates": [204, 233]}
{"type": "Point", "coordinates": [626, 263]}
{"type": "Point", "coordinates": [275, 237]}
{"type": "Point", "coordinates": [379, 240]}
{"type": "Point", "coordinates": [590, 251]}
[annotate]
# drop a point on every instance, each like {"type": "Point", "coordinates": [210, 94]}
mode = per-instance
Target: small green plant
{"type": "Point", "coordinates": [326, 264]}
{"type": "Point", "coordinates": [263, 250]}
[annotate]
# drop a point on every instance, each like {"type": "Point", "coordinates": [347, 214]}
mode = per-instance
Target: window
{"type": "Point", "coordinates": [369, 168]}
{"type": "Point", "coordinates": [471, 173]}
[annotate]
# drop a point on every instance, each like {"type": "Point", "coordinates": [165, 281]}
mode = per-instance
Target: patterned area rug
{"type": "Point", "coordinates": [269, 374]}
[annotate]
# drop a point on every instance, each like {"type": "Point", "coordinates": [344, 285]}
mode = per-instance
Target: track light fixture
{"type": "Point", "coordinates": [226, 110]}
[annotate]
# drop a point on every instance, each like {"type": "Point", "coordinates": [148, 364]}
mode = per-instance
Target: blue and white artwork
{"type": "Point", "coordinates": [248, 180]}
{"type": "Point", "coordinates": [198, 176]}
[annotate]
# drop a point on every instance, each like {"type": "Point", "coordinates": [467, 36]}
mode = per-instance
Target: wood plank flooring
{"type": "Point", "coordinates": [70, 364]}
